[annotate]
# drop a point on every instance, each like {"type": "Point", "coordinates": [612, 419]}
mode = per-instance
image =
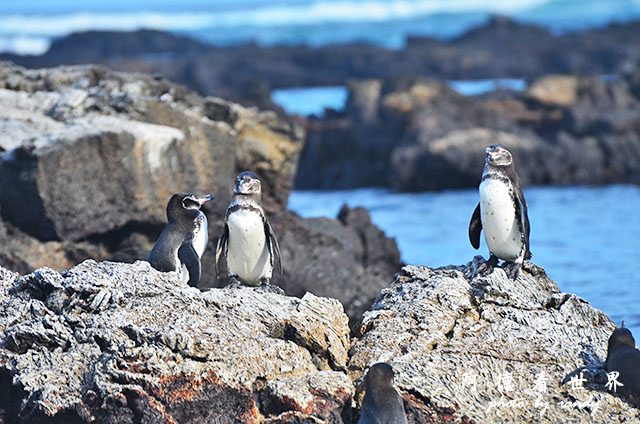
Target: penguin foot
{"type": "Point", "coordinates": [512, 269]}
{"type": "Point", "coordinates": [487, 267]}
{"type": "Point", "coordinates": [233, 282]}
{"type": "Point", "coordinates": [266, 287]}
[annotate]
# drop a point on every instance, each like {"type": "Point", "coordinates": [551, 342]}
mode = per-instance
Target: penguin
{"type": "Point", "coordinates": [624, 358]}
{"type": "Point", "coordinates": [247, 241]}
{"type": "Point", "coordinates": [381, 403]}
{"type": "Point", "coordinates": [184, 238]}
{"type": "Point", "coordinates": [501, 213]}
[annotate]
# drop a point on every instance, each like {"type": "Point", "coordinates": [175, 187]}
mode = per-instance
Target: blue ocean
{"type": "Point", "coordinates": [28, 26]}
{"type": "Point", "coordinates": [585, 237]}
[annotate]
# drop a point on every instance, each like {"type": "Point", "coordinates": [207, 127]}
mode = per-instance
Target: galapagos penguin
{"type": "Point", "coordinates": [247, 242]}
{"type": "Point", "coordinates": [184, 238]}
{"type": "Point", "coordinates": [501, 213]}
{"type": "Point", "coordinates": [381, 403]}
{"type": "Point", "coordinates": [624, 358]}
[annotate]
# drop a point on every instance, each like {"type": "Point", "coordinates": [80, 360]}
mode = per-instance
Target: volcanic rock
{"type": "Point", "coordinates": [89, 159]}
{"type": "Point", "coordinates": [489, 349]}
{"type": "Point", "coordinates": [123, 343]}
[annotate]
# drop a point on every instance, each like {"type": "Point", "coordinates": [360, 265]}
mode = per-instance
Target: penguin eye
{"type": "Point", "coordinates": [189, 203]}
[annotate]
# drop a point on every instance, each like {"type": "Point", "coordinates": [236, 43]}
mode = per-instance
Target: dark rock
{"type": "Point", "coordinates": [499, 48]}
{"type": "Point", "coordinates": [421, 135]}
{"type": "Point", "coordinates": [349, 259]}
{"type": "Point", "coordinates": [633, 79]}
{"type": "Point", "coordinates": [457, 159]}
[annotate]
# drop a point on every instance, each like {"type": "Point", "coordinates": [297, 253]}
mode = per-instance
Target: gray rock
{"type": "Point", "coordinates": [64, 131]}
{"type": "Point", "coordinates": [89, 158]}
{"type": "Point", "coordinates": [138, 139]}
{"type": "Point", "coordinates": [123, 343]}
{"type": "Point", "coordinates": [444, 329]}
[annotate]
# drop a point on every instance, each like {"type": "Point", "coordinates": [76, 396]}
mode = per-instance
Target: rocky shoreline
{"type": "Point", "coordinates": [90, 157]}
{"type": "Point", "coordinates": [403, 125]}
{"type": "Point", "coordinates": [497, 49]}
{"type": "Point", "coordinates": [123, 343]}
{"type": "Point", "coordinates": [419, 134]}
{"type": "Point", "coordinates": [89, 332]}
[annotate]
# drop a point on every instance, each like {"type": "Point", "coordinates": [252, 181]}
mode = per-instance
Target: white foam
{"type": "Point", "coordinates": [57, 25]}
{"type": "Point", "coordinates": [24, 45]}
{"type": "Point", "coordinates": [358, 11]}
{"type": "Point", "coordinates": [317, 12]}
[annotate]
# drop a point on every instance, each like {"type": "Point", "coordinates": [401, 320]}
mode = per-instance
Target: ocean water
{"type": "Point", "coordinates": [586, 238]}
{"type": "Point", "coordinates": [28, 26]}
{"type": "Point", "coordinates": [310, 100]}
{"type": "Point", "coordinates": [307, 101]}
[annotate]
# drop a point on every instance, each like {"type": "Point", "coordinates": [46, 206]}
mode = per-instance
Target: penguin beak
{"type": "Point", "coordinates": [201, 200]}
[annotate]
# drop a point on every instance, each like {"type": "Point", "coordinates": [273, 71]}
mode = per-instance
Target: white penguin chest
{"type": "Point", "coordinates": [248, 254]}
{"type": "Point", "coordinates": [499, 221]}
{"type": "Point", "coordinates": [201, 235]}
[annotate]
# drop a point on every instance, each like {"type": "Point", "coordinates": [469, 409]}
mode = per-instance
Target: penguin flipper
{"type": "Point", "coordinates": [221, 247]}
{"type": "Point", "coordinates": [475, 226]}
{"type": "Point", "coordinates": [274, 247]}
{"type": "Point", "coordinates": [188, 256]}
{"type": "Point", "coordinates": [521, 212]}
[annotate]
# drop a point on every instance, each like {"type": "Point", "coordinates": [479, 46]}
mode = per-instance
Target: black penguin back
{"type": "Point", "coordinates": [182, 213]}
{"type": "Point", "coordinates": [381, 403]}
{"type": "Point", "coordinates": [624, 358]}
{"type": "Point", "coordinates": [163, 256]}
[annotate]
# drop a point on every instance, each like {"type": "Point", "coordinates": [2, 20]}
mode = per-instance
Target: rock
{"type": "Point", "coordinates": [355, 150]}
{"type": "Point", "coordinates": [554, 90]}
{"type": "Point", "coordinates": [457, 159]}
{"type": "Point", "coordinates": [61, 144]}
{"type": "Point", "coordinates": [425, 136]}
{"type": "Point", "coordinates": [498, 48]}
{"type": "Point", "coordinates": [363, 99]}
{"type": "Point", "coordinates": [476, 349]}
{"type": "Point", "coordinates": [89, 159]}
{"type": "Point", "coordinates": [633, 79]}
{"type": "Point", "coordinates": [23, 253]}
{"type": "Point", "coordinates": [349, 259]}
{"type": "Point", "coordinates": [123, 343]}
{"type": "Point", "coordinates": [141, 138]}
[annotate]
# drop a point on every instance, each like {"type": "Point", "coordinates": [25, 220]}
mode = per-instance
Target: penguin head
{"type": "Point", "coordinates": [247, 183]}
{"type": "Point", "coordinates": [498, 155]}
{"type": "Point", "coordinates": [186, 205]}
{"type": "Point", "coordinates": [379, 376]}
{"type": "Point", "coordinates": [619, 338]}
